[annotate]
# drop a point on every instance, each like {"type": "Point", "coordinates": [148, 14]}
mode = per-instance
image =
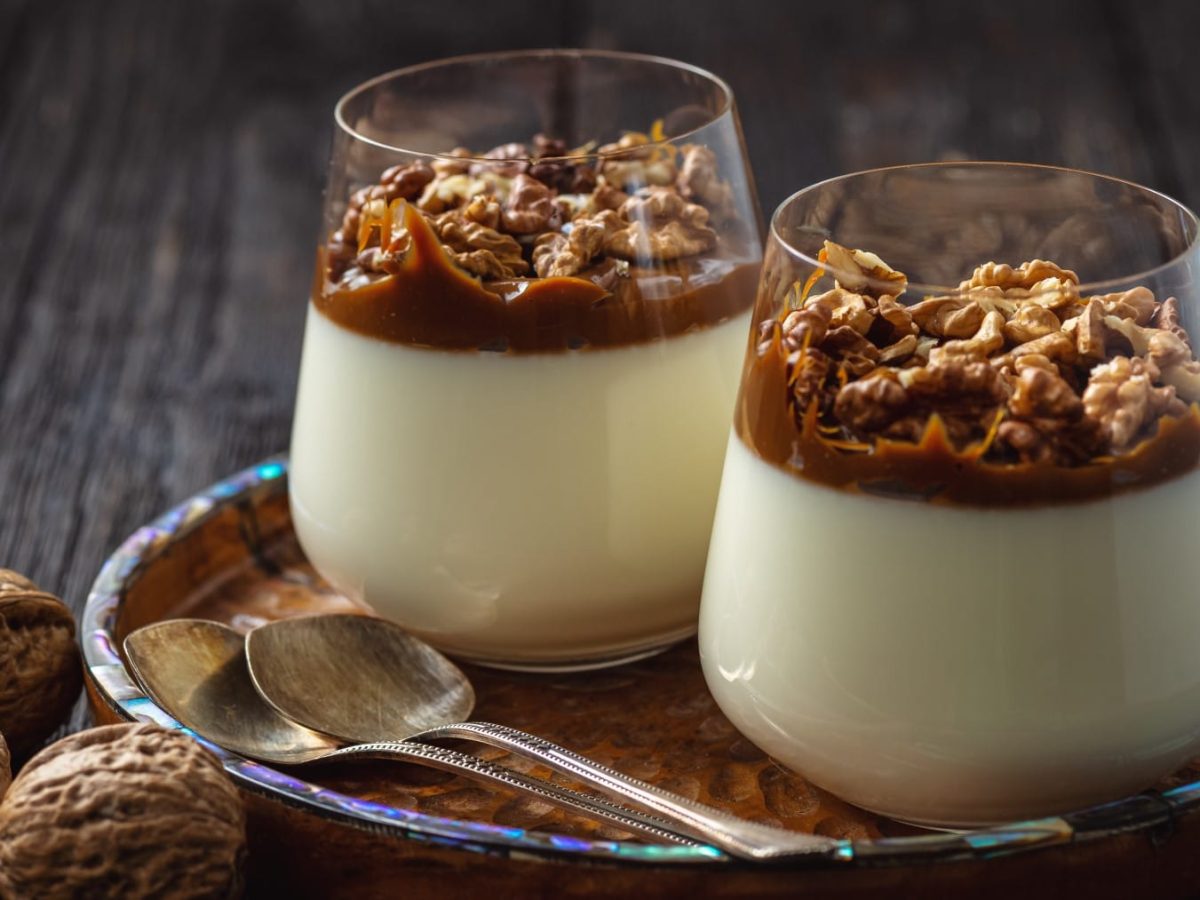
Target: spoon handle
{"type": "Point", "coordinates": [748, 840]}
{"type": "Point", "coordinates": [597, 808]}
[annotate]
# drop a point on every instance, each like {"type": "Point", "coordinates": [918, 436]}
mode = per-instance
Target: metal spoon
{"type": "Point", "coordinates": [196, 671]}
{"type": "Point", "coordinates": [347, 675]}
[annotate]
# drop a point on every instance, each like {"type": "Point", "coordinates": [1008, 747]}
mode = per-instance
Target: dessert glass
{"type": "Point", "coordinates": [520, 358]}
{"type": "Point", "coordinates": [988, 613]}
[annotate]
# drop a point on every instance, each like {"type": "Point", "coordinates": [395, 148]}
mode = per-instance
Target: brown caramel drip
{"type": "Point", "coordinates": [934, 469]}
{"type": "Point", "coordinates": [430, 302]}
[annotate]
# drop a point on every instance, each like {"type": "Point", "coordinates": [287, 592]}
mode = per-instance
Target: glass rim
{"type": "Point", "coordinates": [1088, 287]}
{"type": "Point", "coordinates": [548, 53]}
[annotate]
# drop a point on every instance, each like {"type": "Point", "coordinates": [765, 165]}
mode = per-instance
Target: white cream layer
{"type": "Point", "coordinates": [956, 666]}
{"type": "Point", "coordinates": [537, 508]}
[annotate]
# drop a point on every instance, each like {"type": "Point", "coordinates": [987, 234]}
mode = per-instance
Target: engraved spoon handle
{"type": "Point", "coordinates": [471, 766]}
{"type": "Point", "coordinates": [748, 840]}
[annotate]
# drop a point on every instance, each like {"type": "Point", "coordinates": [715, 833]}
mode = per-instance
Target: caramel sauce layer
{"type": "Point", "coordinates": [934, 470]}
{"type": "Point", "coordinates": [430, 302]}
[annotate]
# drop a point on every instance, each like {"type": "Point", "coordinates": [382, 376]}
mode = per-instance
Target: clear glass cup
{"type": "Point", "coordinates": [521, 352]}
{"type": "Point", "coordinates": [953, 574]}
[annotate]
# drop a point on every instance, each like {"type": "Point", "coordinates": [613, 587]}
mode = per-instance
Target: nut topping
{"type": "Point", "coordinates": [517, 212]}
{"type": "Point", "coordinates": [1015, 368]}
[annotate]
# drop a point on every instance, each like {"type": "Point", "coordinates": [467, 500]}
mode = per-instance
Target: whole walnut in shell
{"type": "Point", "coordinates": [127, 811]}
{"type": "Point", "coordinates": [40, 674]}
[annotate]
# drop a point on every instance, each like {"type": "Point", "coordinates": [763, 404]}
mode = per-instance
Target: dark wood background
{"type": "Point", "coordinates": [161, 165]}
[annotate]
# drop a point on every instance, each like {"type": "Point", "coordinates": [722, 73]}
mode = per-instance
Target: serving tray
{"type": "Point", "coordinates": [375, 829]}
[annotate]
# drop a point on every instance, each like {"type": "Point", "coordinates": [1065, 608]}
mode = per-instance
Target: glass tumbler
{"type": "Point", "coordinates": [533, 285]}
{"type": "Point", "coordinates": [954, 566]}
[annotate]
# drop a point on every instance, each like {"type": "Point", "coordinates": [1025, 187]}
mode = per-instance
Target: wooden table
{"type": "Point", "coordinates": [161, 167]}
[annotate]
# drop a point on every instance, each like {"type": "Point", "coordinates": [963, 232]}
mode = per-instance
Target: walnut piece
{"type": "Point", "coordinates": [1137, 304]}
{"type": "Point", "coordinates": [123, 811]}
{"type": "Point", "coordinates": [480, 250]}
{"type": "Point", "coordinates": [810, 368]}
{"type": "Point", "coordinates": [631, 163]}
{"type": "Point", "coordinates": [1026, 275]}
{"type": "Point", "coordinates": [558, 254]}
{"type": "Point", "coordinates": [698, 181]}
{"type": "Point", "coordinates": [529, 206]}
{"type": "Point", "coordinates": [951, 317]}
{"type": "Point", "coordinates": [1122, 397]}
{"type": "Point", "coordinates": [40, 674]}
{"type": "Point", "coordinates": [662, 226]}
{"type": "Point", "coordinates": [1167, 318]}
{"type": "Point", "coordinates": [863, 272]}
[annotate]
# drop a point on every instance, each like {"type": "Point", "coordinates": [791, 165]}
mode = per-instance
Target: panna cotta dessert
{"type": "Point", "coordinates": [954, 568]}
{"type": "Point", "coordinates": [518, 372]}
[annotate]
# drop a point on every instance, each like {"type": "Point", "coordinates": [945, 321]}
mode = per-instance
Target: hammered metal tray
{"type": "Point", "coordinates": [230, 554]}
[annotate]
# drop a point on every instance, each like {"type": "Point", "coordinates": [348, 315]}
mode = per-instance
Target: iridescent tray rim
{"type": "Point", "coordinates": [112, 685]}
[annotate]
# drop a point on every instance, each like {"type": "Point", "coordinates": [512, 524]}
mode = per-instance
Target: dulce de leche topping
{"type": "Point", "coordinates": [1013, 391]}
{"type": "Point", "coordinates": [534, 252]}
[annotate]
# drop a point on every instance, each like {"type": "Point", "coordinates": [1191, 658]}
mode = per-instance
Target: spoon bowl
{"type": "Point", "coordinates": [355, 677]}
{"type": "Point", "coordinates": [196, 670]}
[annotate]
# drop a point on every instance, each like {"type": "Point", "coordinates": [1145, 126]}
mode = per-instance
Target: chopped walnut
{"type": "Point", "coordinates": [698, 180]}
{"type": "Point", "coordinates": [662, 226]}
{"type": "Point", "coordinates": [1025, 275]}
{"type": "Point", "coordinates": [480, 250]}
{"type": "Point", "coordinates": [1164, 347]}
{"type": "Point", "coordinates": [870, 405]}
{"type": "Point", "coordinates": [529, 206]}
{"type": "Point", "coordinates": [508, 160]}
{"type": "Point", "coordinates": [406, 182]}
{"type": "Point", "coordinates": [986, 341]}
{"type": "Point", "coordinates": [1122, 397]}
{"type": "Point", "coordinates": [1041, 393]}
{"type": "Point", "coordinates": [806, 327]}
{"type": "Point", "coordinates": [1185, 379]}
{"type": "Point", "coordinates": [447, 193]}
{"type": "Point", "coordinates": [1029, 323]}
{"type": "Point", "coordinates": [456, 162]}
{"type": "Point", "coordinates": [899, 351]}
{"type": "Point", "coordinates": [863, 272]}
{"type": "Point", "coordinates": [1050, 293]}
{"type": "Point", "coordinates": [1059, 347]}
{"type": "Point", "coordinates": [608, 197]}
{"type": "Point", "coordinates": [950, 317]}
{"type": "Point", "coordinates": [844, 341]}
{"type": "Point", "coordinates": [630, 164]}
{"type": "Point", "coordinates": [1167, 318]}
{"type": "Point", "coordinates": [551, 169]}
{"type": "Point", "coordinates": [567, 253]}
{"type": "Point", "coordinates": [484, 210]}
{"type": "Point", "coordinates": [899, 317]}
{"type": "Point", "coordinates": [1137, 304]}
{"type": "Point", "coordinates": [846, 308]}
{"type": "Point", "coordinates": [1089, 330]}
{"type": "Point", "coordinates": [810, 369]}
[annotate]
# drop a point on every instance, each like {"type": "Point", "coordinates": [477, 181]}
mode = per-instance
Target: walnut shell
{"type": "Point", "coordinates": [5, 767]}
{"type": "Point", "coordinates": [40, 674]}
{"type": "Point", "coordinates": [125, 811]}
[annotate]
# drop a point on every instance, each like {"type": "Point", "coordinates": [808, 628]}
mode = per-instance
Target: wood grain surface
{"type": "Point", "coordinates": [161, 167]}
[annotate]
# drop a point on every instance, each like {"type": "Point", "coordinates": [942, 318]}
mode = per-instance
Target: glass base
{"type": "Point", "coordinates": [618, 657]}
